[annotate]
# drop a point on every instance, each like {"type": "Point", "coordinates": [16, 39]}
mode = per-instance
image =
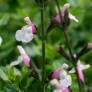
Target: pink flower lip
{"type": "Point", "coordinates": [55, 74]}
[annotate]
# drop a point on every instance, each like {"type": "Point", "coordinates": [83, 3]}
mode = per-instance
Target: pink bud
{"type": "Point", "coordinates": [89, 46]}
{"type": "Point", "coordinates": [25, 57]}
{"type": "Point", "coordinates": [29, 23]}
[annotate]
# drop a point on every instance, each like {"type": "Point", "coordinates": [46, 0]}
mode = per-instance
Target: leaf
{"type": "Point", "coordinates": [3, 75]}
{"type": "Point", "coordinates": [4, 20]}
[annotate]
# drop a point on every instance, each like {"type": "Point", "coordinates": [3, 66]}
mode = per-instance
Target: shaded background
{"type": "Point", "coordinates": [12, 12]}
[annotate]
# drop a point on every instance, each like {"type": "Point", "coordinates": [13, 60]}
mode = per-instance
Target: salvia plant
{"type": "Point", "coordinates": [60, 78]}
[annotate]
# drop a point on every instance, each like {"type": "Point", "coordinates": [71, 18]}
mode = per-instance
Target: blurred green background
{"type": "Point", "coordinates": [12, 12]}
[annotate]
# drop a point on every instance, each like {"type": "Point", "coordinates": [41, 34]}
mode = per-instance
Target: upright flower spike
{"type": "Point", "coordinates": [62, 17]}
{"type": "Point", "coordinates": [25, 57]}
{"type": "Point", "coordinates": [25, 34]}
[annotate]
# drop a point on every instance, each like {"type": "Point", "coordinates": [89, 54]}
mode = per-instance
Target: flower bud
{"type": "Point", "coordinates": [80, 71]}
{"type": "Point", "coordinates": [63, 18]}
{"type": "Point", "coordinates": [25, 57]}
{"type": "Point", "coordinates": [29, 23]}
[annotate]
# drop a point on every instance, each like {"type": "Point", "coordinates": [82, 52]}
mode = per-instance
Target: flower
{"type": "Point", "coordinates": [25, 57]}
{"type": "Point", "coordinates": [60, 79]}
{"type": "Point", "coordinates": [62, 17]}
{"type": "Point", "coordinates": [56, 73]}
{"type": "Point", "coordinates": [80, 68]}
{"type": "Point", "coordinates": [59, 18]}
{"type": "Point", "coordinates": [25, 34]}
{"type": "Point", "coordinates": [1, 40]}
{"type": "Point", "coordinates": [58, 87]}
{"type": "Point", "coordinates": [89, 45]}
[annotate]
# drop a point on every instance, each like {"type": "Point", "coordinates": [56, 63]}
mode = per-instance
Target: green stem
{"type": "Point", "coordinates": [68, 45]}
{"type": "Point", "coordinates": [43, 46]}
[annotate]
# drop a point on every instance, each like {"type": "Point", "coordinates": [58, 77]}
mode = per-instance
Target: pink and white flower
{"type": "Point", "coordinates": [59, 18]}
{"type": "Point", "coordinates": [58, 87]}
{"type": "Point", "coordinates": [80, 68]}
{"type": "Point", "coordinates": [62, 17]}
{"type": "Point", "coordinates": [26, 33]}
{"type": "Point", "coordinates": [60, 79]}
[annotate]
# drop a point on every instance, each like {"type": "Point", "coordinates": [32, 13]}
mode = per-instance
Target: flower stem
{"type": "Point", "coordinates": [73, 59]}
{"type": "Point", "coordinates": [43, 46]}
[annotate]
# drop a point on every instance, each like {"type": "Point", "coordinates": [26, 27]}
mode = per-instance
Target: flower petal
{"type": "Point", "coordinates": [25, 34]}
{"type": "Point", "coordinates": [55, 83]}
{"type": "Point", "coordinates": [72, 17]}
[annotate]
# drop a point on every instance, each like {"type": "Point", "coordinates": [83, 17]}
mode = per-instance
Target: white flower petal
{"type": "Point", "coordinates": [72, 17]}
{"type": "Point", "coordinates": [25, 34]}
{"type": "Point", "coordinates": [69, 80]}
{"type": "Point", "coordinates": [84, 67]}
{"type": "Point", "coordinates": [63, 74]}
{"type": "Point", "coordinates": [66, 82]}
{"type": "Point", "coordinates": [16, 62]}
{"type": "Point", "coordinates": [55, 83]}
{"type": "Point", "coordinates": [57, 90]}
{"type": "Point", "coordinates": [19, 35]}
{"type": "Point", "coordinates": [72, 70]}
